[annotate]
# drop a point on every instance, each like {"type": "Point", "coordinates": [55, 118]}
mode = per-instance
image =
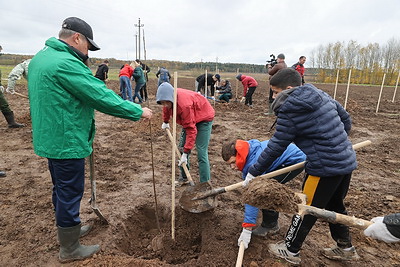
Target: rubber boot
{"type": "Point", "coordinates": [11, 120]}
{"type": "Point", "coordinates": [85, 229]}
{"type": "Point", "coordinates": [270, 111]}
{"type": "Point", "coordinates": [70, 248]}
{"type": "Point", "coordinates": [3, 174]}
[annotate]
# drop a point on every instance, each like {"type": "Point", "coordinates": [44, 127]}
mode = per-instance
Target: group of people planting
{"type": "Point", "coordinates": [311, 127]}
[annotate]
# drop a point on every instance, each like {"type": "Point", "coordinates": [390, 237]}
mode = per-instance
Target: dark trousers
{"type": "Point", "coordinates": [143, 92]}
{"type": "Point", "coordinates": [249, 95]}
{"type": "Point", "coordinates": [325, 193]}
{"type": "Point", "coordinates": [270, 97]}
{"type": "Point", "coordinates": [68, 177]}
{"type": "Point", "coordinates": [270, 217]}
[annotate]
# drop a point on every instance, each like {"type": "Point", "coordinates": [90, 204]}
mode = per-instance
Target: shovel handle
{"type": "Point", "coordinates": [240, 255]}
{"type": "Point", "coordinates": [179, 155]}
{"type": "Point", "coordinates": [20, 95]}
{"type": "Point", "coordinates": [288, 169]}
{"type": "Point", "coordinates": [333, 217]}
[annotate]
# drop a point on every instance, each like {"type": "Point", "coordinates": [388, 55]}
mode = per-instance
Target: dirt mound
{"type": "Point", "coordinates": [267, 193]}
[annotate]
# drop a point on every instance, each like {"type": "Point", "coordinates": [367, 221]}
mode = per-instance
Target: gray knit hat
{"type": "Point", "coordinates": [165, 92]}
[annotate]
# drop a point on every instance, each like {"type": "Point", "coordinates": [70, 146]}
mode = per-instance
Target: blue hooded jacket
{"type": "Point", "coordinates": [318, 125]}
{"type": "Point", "coordinates": [290, 156]}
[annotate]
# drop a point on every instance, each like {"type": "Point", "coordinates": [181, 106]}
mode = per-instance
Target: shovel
{"type": "Point", "coordinates": [189, 177]}
{"type": "Point", "coordinates": [193, 199]}
{"type": "Point", "coordinates": [93, 186]}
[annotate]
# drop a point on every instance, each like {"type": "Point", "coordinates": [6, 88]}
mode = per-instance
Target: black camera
{"type": "Point", "coordinates": [272, 61]}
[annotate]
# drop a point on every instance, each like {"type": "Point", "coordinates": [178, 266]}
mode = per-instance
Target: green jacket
{"type": "Point", "coordinates": [138, 75]}
{"type": "Point", "coordinates": [63, 94]}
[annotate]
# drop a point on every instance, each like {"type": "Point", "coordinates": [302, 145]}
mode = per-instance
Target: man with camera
{"type": "Point", "coordinates": [273, 67]}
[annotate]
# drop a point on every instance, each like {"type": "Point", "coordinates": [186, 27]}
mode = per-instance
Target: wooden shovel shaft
{"type": "Point", "coordinates": [20, 95]}
{"type": "Point", "coordinates": [179, 155]}
{"type": "Point", "coordinates": [333, 217]}
{"type": "Point", "coordinates": [240, 255]}
{"type": "Point", "coordinates": [268, 175]}
{"type": "Point", "coordinates": [288, 169]}
{"type": "Point", "coordinates": [93, 186]}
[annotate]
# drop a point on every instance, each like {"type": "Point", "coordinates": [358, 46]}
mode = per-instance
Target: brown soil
{"type": "Point", "coordinates": [267, 193]}
{"type": "Point", "coordinates": [125, 193]}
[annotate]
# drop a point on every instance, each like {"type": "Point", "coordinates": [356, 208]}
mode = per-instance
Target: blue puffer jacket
{"type": "Point", "coordinates": [290, 156]}
{"type": "Point", "coordinates": [318, 125]}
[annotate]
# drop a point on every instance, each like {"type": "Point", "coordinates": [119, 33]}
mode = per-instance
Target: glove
{"type": "Point", "coordinates": [165, 125]}
{"type": "Point", "coordinates": [10, 90]}
{"type": "Point", "coordinates": [245, 237]}
{"type": "Point", "coordinates": [217, 91]}
{"type": "Point", "coordinates": [2, 88]}
{"type": "Point", "coordinates": [249, 177]}
{"type": "Point", "coordinates": [242, 99]}
{"type": "Point", "coordinates": [379, 231]}
{"type": "Point", "coordinates": [183, 159]}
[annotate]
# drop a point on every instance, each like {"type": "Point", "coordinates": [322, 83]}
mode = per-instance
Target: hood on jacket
{"type": "Point", "coordinates": [165, 92]}
{"type": "Point", "coordinates": [300, 99]}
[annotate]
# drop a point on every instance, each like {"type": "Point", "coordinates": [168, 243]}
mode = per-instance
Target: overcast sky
{"type": "Point", "coordinates": [191, 31]}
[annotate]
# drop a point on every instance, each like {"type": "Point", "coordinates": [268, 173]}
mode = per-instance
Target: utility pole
{"type": "Point", "coordinates": [139, 26]}
{"type": "Point", "coordinates": [136, 45]}
{"type": "Point", "coordinates": [216, 65]}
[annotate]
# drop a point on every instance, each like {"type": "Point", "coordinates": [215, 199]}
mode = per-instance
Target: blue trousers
{"type": "Point", "coordinates": [68, 177]}
{"type": "Point", "coordinates": [125, 87]}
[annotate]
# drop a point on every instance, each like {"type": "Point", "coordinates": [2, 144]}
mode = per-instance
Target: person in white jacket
{"type": "Point", "coordinates": [20, 70]}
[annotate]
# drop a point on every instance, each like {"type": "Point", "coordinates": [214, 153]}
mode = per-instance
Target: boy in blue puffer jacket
{"type": "Point", "coordinates": [319, 126]}
{"type": "Point", "coordinates": [240, 155]}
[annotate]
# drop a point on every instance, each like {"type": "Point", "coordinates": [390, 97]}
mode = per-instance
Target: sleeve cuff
{"type": "Point", "coordinates": [248, 225]}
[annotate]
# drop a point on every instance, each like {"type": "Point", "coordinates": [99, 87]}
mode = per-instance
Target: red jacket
{"type": "Point", "coordinates": [247, 82]}
{"type": "Point", "coordinates": [127, 70]}
{"type": "Point", "coordinates": [192, 108]}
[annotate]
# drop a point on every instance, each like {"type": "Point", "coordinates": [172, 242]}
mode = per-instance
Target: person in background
{"type": "Point", "coordinates": [102, 71]}
{"type": "Point", "coordinates": [196, 115]}
{"type": "Point", "coordinates": [225, 91]}
{"type": "Point", "coordinates": [19, 70]}
{"type": "Point", "coordinates": [63, 95]}
{"type": "Point", "coordinates": [163, 76]}
{"type": "Point", "coordinates": [299, 66]}
{"type": "Point", "coordinates": [249, 87]}
{"type": "Point", "coordinates": [143, 90]}
{"type": "Point", "coordinates": [272, 70]}
{"type": "Point", "coordinates": [240, 155]}
{"type": "Point", "coordinates": [125, 87]}
{"type": "Point", "coordinates": [6, 110]}
{"type": "Point", "coordinates": [319, 126]}
{"type": "Point", "coordinates": [138, 76]}
{"type": "Point", "coordinates": [211, 81]}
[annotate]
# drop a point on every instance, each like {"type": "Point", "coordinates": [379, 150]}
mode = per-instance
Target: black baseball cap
{"type": "Point", "coordinates": [79, 25]}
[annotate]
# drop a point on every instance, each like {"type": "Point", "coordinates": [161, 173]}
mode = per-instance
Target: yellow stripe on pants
{"type": "Point", "coordinates": [310, 186]}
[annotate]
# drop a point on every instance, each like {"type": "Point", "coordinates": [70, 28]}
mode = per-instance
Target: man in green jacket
{"type": "Point", "coordinates": [63, 95]}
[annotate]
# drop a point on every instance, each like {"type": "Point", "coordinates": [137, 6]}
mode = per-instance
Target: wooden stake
{"type": "Point", "coordinates": [337, 79]}
{"type": "Point", "coordinates": [237, 83]}
{"type": "Point", "coordinates": [380, 93]}
{"type": "Point", "coordinates": [205, 84]}
{"type": "Point", "coordinates": [395, 89]}
{"type": "Point", "coordinates": [347, 90]}
{"type": "Point", "coordinates": [174, 108]}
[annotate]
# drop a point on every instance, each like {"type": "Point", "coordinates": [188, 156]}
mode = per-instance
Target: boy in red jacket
{"type": "Point", "coordinates": [196, 115]}
{"type": "Point", "coordinates": [249, 86]}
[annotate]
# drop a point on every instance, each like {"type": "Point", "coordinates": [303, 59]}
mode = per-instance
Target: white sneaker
{"type": "Point", "coordinates": [280, 250]}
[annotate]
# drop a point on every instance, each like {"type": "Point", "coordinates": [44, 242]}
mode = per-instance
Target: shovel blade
{"type": "Point", "coordinates": [189, 202]}
{"type": "Point", "coordinates": [100, 215]}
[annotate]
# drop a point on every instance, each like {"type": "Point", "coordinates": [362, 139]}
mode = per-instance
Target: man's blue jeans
{"type": "Point", "coordinates": [125, 87]}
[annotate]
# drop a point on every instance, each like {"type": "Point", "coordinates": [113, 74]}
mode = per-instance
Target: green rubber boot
{"type": "Point", "coordinates": [70, 248]}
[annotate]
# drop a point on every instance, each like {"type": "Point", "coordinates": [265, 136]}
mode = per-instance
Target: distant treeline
{"type": "Point", "coordinates": [13, 59]}
{"type": "Point", "coordinates": [367, 63]}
